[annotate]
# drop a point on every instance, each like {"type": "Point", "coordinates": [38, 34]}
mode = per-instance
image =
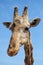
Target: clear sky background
{"type": "Point", "coordinates": [35, 9]}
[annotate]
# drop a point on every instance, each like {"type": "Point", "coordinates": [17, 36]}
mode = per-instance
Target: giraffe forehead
{"type": "Point", "coordinates": [19, 18]}
{"type": "Point", "coordinates": [22, 20]}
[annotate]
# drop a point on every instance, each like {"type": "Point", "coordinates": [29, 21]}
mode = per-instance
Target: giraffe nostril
{"type": "Point", "coordinates": [10, 53]}
{"type": "Point", "coordinates": [14, 45]}
{"type": "Point", "coordinates": [13, 50]}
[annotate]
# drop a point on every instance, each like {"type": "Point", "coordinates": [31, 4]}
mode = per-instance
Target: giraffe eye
{"type": "Point", "coordinates": [10, 46]}
{"type": "Point", "coordinates": [26, 28]}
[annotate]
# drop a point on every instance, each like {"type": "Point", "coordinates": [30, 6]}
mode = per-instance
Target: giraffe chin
{"type": "Point", "coordinates": [12, 53]}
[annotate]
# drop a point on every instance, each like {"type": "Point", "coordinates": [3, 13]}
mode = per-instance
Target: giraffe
{"type": "Point", "coordinates": [20, 28]}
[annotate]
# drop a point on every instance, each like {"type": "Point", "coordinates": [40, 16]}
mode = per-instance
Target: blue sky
{"type": "Point", "coordinates": [35, 8]}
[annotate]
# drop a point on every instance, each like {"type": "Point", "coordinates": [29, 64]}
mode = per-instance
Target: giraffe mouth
{"type": "Point", "coordinates": [12, 53]}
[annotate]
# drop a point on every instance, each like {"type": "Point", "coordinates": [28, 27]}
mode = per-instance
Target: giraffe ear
{"type": "Point", "coordinates": [8, 24]}
{"type": "Point", "coordinates": [35, 22]}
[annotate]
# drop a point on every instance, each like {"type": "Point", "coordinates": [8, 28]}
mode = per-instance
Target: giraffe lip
{"type": "Point", "coordinates": [10, 53]}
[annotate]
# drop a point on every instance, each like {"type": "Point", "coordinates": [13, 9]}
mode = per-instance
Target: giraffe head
{"type": "Point", "coordinates": [19, 25]}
